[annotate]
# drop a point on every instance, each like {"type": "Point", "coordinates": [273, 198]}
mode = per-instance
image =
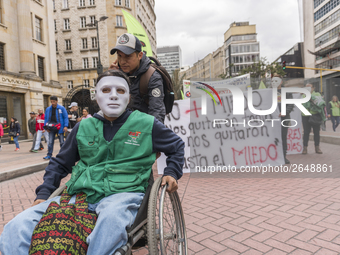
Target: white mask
{"type": "Point", "coordinates": [276, 81]}
{"type": "Point", "coordinates": [112, 94]}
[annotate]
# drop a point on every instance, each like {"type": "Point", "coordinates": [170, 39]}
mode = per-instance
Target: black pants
{"type": "Point", "coordinates": [306, 131]}
{"type": "Point", "coordinates": [284, 132]}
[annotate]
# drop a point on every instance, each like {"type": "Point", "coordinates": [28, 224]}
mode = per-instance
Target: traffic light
{"type": "Point", "coordinates": [284, 65]}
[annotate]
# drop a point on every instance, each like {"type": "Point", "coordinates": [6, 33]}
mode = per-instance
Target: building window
{"type": "Point", "coordinates": [119, 21]}
{"type": "Point", "coordinates": [94, 43]}
{"type": "Point", "coordinates": [85, 63]}
{"type": "Point", "coordinates": [55, 25]}
{"type": "Point", "coordinates": [327, 22]}
{"type": "Point", "coordinates": [82, 3]}
{"type": "Point", "coordinates": [326, 9]}
{"type": "Point", "coordinates": [53, 2]}
{"type": "Point", "coordinates": [2, 56]}
{"type": "Point", "coordinates": [70, 84]}
{"type": "Point", "coordinates": [92, 19]}
{"type": "Point", "coordinates": [127, 3]}
{"type": "Point", "coordinates": [56, 46]}
{"type": "Point", "coordinates": [58, 65]}
{"type": "Point", "coordinates": [331, 34]}
{"type": "Point", "coordinates": [0, 12]}
{"type": "Point", "coordinates": [91, 2]}
{"type": "Point", "coordinates": [84, 43]}
{"type": "Point", "coordinates": [67, 24]}
{"type": "Point", "coordinates": [38, 29]}
{"type": "Point", "coordinates": [68, 64]}
{"type": "Point", "coordinates": [82, 22]}
{"type": "Point", "coordinates": [41, 68]}
{"type": "Point", "coordinates": [65, 4]}
{"type": "Point", "coordinates": [86, 83]}
{"type": "Point", "coordinates": [68, 44]}
{"type": "Point", "coordinates": [94, 82]}
{"type": "Point", "coordinates": [118, 2]}
{"type": "Point", "coordinates": [95, 62]}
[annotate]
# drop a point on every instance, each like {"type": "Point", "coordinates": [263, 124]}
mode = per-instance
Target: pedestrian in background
{"type": "Point", "coordinates": [316, 107]}
{"type": "Point", "coordinates": [86, 114]}
{"type": "Point", "coordinates": [334, 112]}
{"type": "Point", "coordinates": [40, 131]}
{"type": "Point", "coordinates": [14, 131]}
{"type": "Point", "coordinates": [72, 116]}
{"type": "Point", "coordinates": [56, 122]}
{"type": "Point", "coordinates": [1, 134]}
{"type": "Point", "coordinates": [277, 82]}
{"type": "Point", "coordinates": [32, 130]}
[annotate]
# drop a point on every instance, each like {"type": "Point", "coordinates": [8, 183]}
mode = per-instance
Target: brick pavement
{"type": "Point", "coordinates": [240, 215]}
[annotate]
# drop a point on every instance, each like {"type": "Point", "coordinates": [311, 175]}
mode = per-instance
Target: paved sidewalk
{"type": "Point", "coordinates": [249, 216]}
{"type": "Point", "coordinates": [10, 159]}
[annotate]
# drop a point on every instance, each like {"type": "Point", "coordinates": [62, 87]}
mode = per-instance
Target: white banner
{"type": "Point", "coordinates": [242, 82]}
{"type": "Point", "coordinates": [295, 134]}
{"type": "Point", "coordinates": [222, 139]}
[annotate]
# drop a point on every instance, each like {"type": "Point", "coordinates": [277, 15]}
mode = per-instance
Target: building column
{"type": "Point", "coordinates": [25, 37]}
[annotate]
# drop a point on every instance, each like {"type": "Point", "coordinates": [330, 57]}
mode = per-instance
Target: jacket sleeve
{"type": "Point", "coordinates": [289, 107]}
{"type": "Point", "coordinates": [1, 130]}
{"type": "Point", "coordinates": [17, 127]}
{"type": "Point", "coordinates": [47, 114]}
{"type": "Point", "coordinates": [165, 140]}
{"type": "Point", "coordinates": [60, 166]}
{"type": "Point", "coordinates": [329, 108]}
{"type": "Point", "coordinates": [65, 117]}
{"type": "Point", "coordinates": [156, 97]}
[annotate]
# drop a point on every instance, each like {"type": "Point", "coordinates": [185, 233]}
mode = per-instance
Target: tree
{"type": "Point", "coordinates": [177, 81]}
{"type": "Point", "coordinates": [259, 69]}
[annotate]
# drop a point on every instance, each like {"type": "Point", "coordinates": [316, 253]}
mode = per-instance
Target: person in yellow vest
{"type": "Point", "coordinates": [115, 151]}
{"type": "Point", "coordinates": [334, 112]}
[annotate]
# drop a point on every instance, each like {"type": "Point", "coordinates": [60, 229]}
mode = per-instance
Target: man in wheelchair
{"type": "Point", "coordinates": [115, 151]}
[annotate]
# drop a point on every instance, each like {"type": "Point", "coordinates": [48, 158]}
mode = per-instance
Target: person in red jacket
{"type": "Point", "coordinates": [1, 135]}
{"type": "Point", "coordinates": [39, 128]}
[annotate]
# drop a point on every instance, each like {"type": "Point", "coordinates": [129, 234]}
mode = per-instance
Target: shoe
{"type": "Point", "coordinates": [34, 151]}
{"type": "Point", "coordinates": [16, 149]}
{"type": "Point", "coordinates": [47, 157]}
{"type": "Point", "coordinates": [304, 150]}
{"type": "Point", "coordinates": [317, 150]}
{"type": "Point", "coordinates": [287, 161]}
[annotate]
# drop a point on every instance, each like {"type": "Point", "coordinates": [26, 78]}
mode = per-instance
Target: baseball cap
{"type": "Point", "coordinates": [128, 44]}
{"type": "Point", "coordinates": [73, 104]}
{"type": "Point", "coordinates": [32, 112]}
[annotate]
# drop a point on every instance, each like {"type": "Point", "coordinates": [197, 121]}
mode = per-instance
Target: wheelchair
{"type": "Point", "coordinates": [159, 223]}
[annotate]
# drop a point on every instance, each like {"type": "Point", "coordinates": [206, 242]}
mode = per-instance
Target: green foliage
{"type": "Point", "coordinates": [259, 69]}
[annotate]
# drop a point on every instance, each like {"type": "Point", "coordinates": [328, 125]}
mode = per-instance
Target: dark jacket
{"type": "Point", "coordinates": [163, 140]}
{"type": "Point", "coordinates": [289, 107]}
{"type": "Point", "coordinates": [15, 128]}
{"type": "Point", "coordinates": [31, 125]}
{"type": "Point", "coordinates": [156, 105]}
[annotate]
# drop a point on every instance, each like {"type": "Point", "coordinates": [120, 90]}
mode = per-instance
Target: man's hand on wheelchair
{"type": "Point", "coordinates": [172, 183]}
{"type": "Point", "coordinates": [38, 201]}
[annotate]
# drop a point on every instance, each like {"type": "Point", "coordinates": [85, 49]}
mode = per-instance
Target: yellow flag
{"type": "Point", "coordinates": [262, 86]}
{"type": "Point", "coordinates": [135, 28]}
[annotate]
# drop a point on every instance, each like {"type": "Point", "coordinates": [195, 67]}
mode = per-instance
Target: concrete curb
{"type": "Point", "coordinates": [327, 139]}
{"type": "Point", "coordinates": [18, 172]}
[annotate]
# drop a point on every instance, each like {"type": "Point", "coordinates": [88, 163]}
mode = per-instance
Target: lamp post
{"type": "Point", "coordinates": [99, 65]}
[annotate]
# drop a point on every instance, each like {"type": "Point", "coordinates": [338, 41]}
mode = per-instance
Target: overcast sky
{"type": "Point", "coordinates": [198, 26]}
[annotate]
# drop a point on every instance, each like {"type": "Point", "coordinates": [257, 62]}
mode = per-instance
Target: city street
{"type": "Point", "coordinates": [231, 215]}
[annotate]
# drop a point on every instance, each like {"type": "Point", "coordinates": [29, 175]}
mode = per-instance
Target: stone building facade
{"type": "Point", "coordinates": [76, 40]}
{"type": "Point", "coordinates": [28, 70]}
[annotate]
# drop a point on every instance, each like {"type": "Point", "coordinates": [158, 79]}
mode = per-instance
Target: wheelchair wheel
{"type": "Point", "coordinates": [166, 227]}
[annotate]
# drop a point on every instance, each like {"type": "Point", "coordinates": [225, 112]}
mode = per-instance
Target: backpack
{"type": "Point", "coordinates": [168, 87]}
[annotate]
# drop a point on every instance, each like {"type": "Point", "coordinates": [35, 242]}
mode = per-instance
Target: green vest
{"type": "Point", "coordinates": [335, 110]}
{"type": "Point", "coordinates": [121, 165]}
